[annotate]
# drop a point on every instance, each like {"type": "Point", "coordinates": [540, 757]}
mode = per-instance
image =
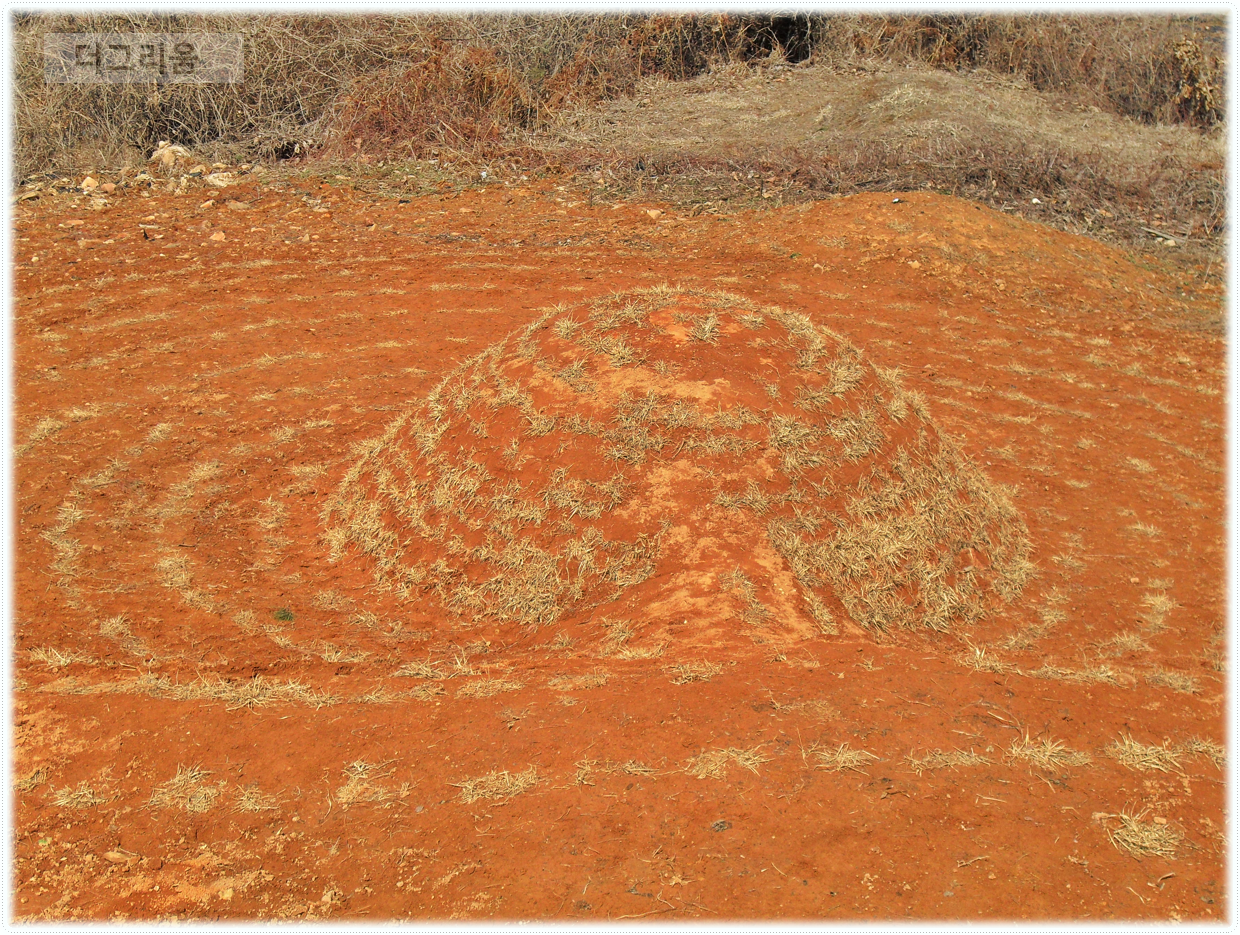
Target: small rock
{"type": "Point", "coordinates": [226, 894]}
{"type": "Point", "coordinates": [895, 201]}
{"type": "Point", "coordinates": [218, 236]}
{"type": "Point", "coordinates": [167, 154]}
{"type": "Point", "coordinates": [654, 214]}
{"type": "Point", "coordinates": [107, 188]}
{"type": "Point", "coordinates": [219, 179]}
{"type": "Point", "coordinates": [721, 825]}
{"type": "Point", "coordinates": [1159, 820]}
{"type": "Point", "coordinates": [116, 857]}
{"type": "Point", "coordinates": [1035, 201]}
{"type": "Point", "coordinates": [207, 204]}
{"type": "Point", "coordinates": [237, 205]}
{"type": "Point", "coordinates": [199, 169]}
{"type": "Point", "coordinates": [89, 184]}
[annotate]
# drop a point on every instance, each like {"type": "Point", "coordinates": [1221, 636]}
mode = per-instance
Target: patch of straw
{"type": "Point", "coordinates": [842, 758]}
{"type": "Point", "coordinates": [485, 688]}
{"type": "Point", "coordinates": [953, 759]}
{"type": "Point", "coordinates": [713, 764]}
{"type": "Point", "coordinates": [1144, 838]}
{"type": "Point", "coordinates": [686, 672]}
{"type": "Point", "coordinates": [187, 791]}
{"type": "Point", "coordinates": [1144, 757]}
{"type": "Point", "coordinates": [1046, 754]}
{"type": "Point", "coordinates": [500, 784]}
{"type": "Point", "coordinates": [82, 796]}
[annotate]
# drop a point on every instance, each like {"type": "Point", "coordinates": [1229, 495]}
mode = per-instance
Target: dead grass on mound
{"type": "Point", "coordinates": [1144, 757]}
{"type": "Point", "coordinates": [842, 758]}
{"type": "Point", "coordinates": [1046, 754]}
{"type": "Point", "coordinates": [921, 538]}
{"type": "Point", "coordinates": [500, 784]}
{"type": "Point", "coordinates": [713, 764]}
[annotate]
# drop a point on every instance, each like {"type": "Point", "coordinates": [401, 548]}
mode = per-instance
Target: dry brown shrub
{"type": "Point", "coordinates": [402, 84]}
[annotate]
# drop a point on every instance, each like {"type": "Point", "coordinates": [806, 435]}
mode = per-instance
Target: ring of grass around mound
{"type": "Point", "coordinates": [613, 446]}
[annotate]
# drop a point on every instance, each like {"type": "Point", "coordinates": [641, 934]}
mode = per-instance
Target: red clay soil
{"type": "Point", "coordinates": [215, 720]}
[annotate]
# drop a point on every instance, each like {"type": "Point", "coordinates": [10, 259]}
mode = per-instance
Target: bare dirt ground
{"type": "Point", "coordinates": [214, 720]}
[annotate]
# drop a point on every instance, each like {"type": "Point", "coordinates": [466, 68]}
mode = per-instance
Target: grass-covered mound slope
{"type": "Point", "coordinates": [669, 442]}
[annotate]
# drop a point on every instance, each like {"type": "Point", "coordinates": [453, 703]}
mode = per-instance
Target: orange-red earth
{"type": "Point", "coordinates": [223, 712]}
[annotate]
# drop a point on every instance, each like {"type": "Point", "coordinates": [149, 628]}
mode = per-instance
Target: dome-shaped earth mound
{"type": "Point", "coordinates": [684, 454]}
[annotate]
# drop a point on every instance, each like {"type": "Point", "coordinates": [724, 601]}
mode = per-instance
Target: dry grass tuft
{"type": "Point", "coordinates": [426, 692]}
{"type": "Point", "coordinates": [81, 796]}
{"type": "Point", "coordinates": [252, 799]}
{"type": "Point", "coordinates": [628, 768]}
{"type": "Point", "coordinates": [361, 785]}
{"type": "Point", "coordinates": [252, 693]}
{"type": "Point", "coordinates": [979, 658]}
{"type": "Point", "coordinates": [500, 784]}
{"type": "Point", "coordinates": [1046, 754]}
{"type": "Point", "coordinates": [187, 791]}
{"type": "Point", "coordinates": [953, 759]}
{"type": "Point", "coordinates": [596, 679]}
{"type": "Point", "coordinates": [1196, 746]}
{"type": "Point", "coordinates": [1176, 681]}
{"type": "Point", "coordinates": [1103, 674]}
{"type": "Point", "coordinates": [842, 758]}
{"type": "Point", "coordinates": [686, 672]}
{"type": "Point", "coordinates": [1144, 756]}
{"type": "Point", "coordinates": [1144, 838]}
{"type": "Point", "coordinates": [485, 688]}
{"type": "Point", "coordinates": [585, 772]}
{"type": "Point", "coordinates": [33, 780]}
{"type": "Point", "coordinates": [55, 658]}
{"type": "Point", "coordinates": [713, 764]}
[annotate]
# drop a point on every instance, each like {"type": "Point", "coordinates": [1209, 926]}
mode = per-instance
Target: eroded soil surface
{"type": "Point", "coordinates": [216, 721]}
